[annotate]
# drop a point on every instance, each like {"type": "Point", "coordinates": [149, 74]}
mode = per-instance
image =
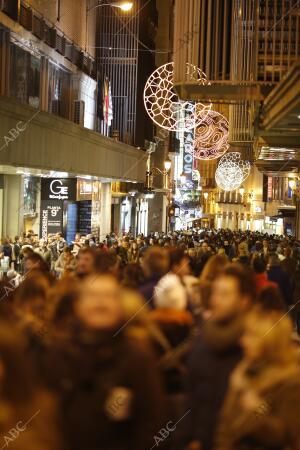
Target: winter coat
{"type": "Point", "coordinates": [109, 390]}
{"type": "Point", "coordinates": [214, 355]}
{"type": "Point", "coordinates": [7, 250]}
{"type": "Point", "coordinates": [147, 290]}
{"type": "Point", "coordinates": [277, 275]}
{"type": "Point", "coordinates": [176, 327]}
{"type": "Point", "coordinates": [275, 423]}
{"type": "Point", "coordinates": [62, 266]}
{"type": "Point", "coordinates": [289, 265]}
{"type": "Point", "coordinates": [32, 426]}
{"type": "Point", "coordinates": [133, 256]}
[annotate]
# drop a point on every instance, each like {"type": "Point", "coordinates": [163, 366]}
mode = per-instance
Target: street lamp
{"type": "Point", "coordinates": [167, 164]}
{"type": "Point", "coordinates": [292, 184]}
{"type": "Point", "coordinates": [124, 6]}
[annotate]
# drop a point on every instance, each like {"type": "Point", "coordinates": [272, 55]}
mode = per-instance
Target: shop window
{"type": "Point", "coordinates": [58, 91]}
{"type": "Point", "coordinates": [25, 72]}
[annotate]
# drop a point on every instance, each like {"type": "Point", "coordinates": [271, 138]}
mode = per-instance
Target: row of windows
{"type": "Point", "coordinates": [25, 86]}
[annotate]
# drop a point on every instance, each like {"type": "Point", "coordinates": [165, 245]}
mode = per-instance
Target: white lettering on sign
{"type": "Point", "coordinates": [58, 190]}
{"type": "Point", "coordinates": [44, 224]}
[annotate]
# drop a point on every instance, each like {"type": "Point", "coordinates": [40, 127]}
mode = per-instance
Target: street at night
{"type": "Point", "coordinates": [150, 224]}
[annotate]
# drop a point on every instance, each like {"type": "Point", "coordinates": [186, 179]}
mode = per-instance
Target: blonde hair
{"type": "Point", "coordinates": [213, 267]}
{"type": "Point", "coordinates": [274, 331]}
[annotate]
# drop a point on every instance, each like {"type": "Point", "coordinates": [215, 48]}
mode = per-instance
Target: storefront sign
{"type": "Point", "coordinates": [58, 189]}
{"type": "Point", "coordinates": [188, 160]}
{"type": "Point", "coordinates": [51, 218]}
{"type": "Point", "coordinates": [187, 155]}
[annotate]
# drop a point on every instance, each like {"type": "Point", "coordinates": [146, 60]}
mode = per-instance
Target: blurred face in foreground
{"type": "Point", "coordinates": [226, 300]}
{"type": "Point", "coordinates": [99, 306]}
{"type": "Point", "coordinates": [267, 338]}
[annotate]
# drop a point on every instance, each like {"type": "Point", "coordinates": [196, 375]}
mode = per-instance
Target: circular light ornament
{"type": "Point", "coordinates": [211, 137]}
{"type": "Point", "coordinates": [163, 105]}
{"type": "Point", "coordinates": [232, 171]}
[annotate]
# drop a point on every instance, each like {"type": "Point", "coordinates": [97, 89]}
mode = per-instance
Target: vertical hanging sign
{"type": "Point", "coordinates": [188, 159]}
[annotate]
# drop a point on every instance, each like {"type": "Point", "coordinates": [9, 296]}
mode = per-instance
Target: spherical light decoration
{"type": "Point", "coordinates": [211, 137]}
{"type": "Point", "coordinates": [163, 105]}
{"type": "Point", "coordinates": [231, 171]}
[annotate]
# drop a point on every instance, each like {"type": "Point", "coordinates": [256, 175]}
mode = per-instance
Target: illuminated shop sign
{"type": "Point", "coordinates": [188, 160]}
{"type": "Point", "coordinates": [58, 189]}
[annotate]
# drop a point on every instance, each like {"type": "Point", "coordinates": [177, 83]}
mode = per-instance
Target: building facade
{"type": "Point", "coordinates": [249, 51]}
{"type": "Point", "coordinates": [49, 109]}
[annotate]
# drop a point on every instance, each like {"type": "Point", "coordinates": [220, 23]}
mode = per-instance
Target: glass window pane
{"type": "Point", "coordinates": [58, 91]}
{"type": "Point", "coordinates": [24, 76]}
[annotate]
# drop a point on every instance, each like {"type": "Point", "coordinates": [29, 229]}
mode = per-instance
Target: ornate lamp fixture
{"type": "Point", "coordinates": [232, 171]}
{"type": "Point", "coordinates": [163, 105]}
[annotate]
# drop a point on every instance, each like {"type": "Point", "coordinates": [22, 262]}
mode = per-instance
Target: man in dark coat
{"type": "Point", "coordinates": [216, 352]}
{"type": "Point", "coordinates": [279, 276]}
{"type": "Point", "coordinates": [155, 264]}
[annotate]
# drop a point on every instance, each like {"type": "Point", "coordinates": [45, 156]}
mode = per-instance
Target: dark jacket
{"type": "Point", "coordinates": [109, 390]}
{"type": "Point", "coordinates": [289, 265]}
{"type": "Point", "coordinates": [277, 275]}
{"type": "Point", "coordinates": [147, 290]}
{"type": "Point", "coordinates": [7, 250]}
{"type": "Point", "coordinates": [215, 354]}
{"type": "Point", "coordinates": [176, 327]}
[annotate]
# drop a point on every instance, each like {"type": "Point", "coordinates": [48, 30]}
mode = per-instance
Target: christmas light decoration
{"type": "Point", "coordinates": [163, 105]}
{"type": "Point", "coordinates": [231, 171]}
{"type": "Point", "coordinates": [211, 137]}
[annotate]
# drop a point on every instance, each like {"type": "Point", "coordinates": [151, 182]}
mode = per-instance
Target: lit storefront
{"type": "Point", "coordinates": [62, 205]}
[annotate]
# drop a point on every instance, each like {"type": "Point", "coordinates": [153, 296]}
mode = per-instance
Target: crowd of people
{"type": "Point", "coordinates": [179, 341]}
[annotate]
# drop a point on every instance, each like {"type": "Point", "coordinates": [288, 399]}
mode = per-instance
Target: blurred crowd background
{"type": "Point", "coordinates": [180, 341]}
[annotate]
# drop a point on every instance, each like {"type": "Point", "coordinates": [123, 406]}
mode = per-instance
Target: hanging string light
{"type": "Point", "coordinates": [163, 105]}
{"type": "Point", "coordinates": [211, 137]}
{"type": "Point", "coordinates": [232, 171]}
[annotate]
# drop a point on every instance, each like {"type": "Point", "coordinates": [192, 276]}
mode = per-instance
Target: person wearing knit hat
{"type": "Point", "coordinates": [170, 293]}
{"type": "Point", "coordinates": [176, 324]}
